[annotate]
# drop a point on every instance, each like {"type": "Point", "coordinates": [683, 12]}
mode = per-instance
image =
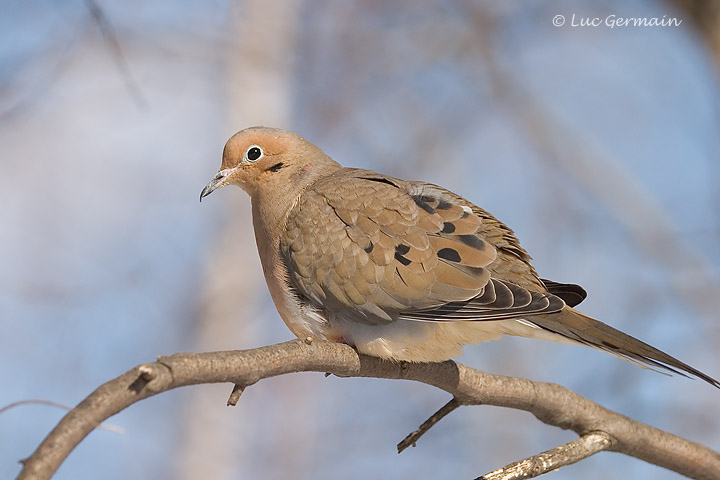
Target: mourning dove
{"type": "Point", "coordinates": [402, 270]}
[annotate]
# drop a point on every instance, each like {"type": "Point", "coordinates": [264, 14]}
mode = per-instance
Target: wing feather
{"type": "Point", "coordinates": [376, 249]}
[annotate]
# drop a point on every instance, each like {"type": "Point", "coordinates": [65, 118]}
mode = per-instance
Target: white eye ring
{"type": "Point", "coordinates": [253, 154]}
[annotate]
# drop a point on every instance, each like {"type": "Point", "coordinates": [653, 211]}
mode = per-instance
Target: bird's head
{"type": "Point", "coordinates": [269, 161]}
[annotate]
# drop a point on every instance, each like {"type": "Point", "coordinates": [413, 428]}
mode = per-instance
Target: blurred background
{"type": "Point", "coordinates": [598, 145]}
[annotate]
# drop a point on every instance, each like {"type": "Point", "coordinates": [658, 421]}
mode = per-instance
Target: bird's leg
{"type": "Point", "coordinates": [411, 439]}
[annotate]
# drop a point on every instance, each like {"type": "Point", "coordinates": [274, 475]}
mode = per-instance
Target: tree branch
{"type": "Point", "coordinates": [412, 439]}
{"type": "Point", "coordinates": [553, 459]}
{"type": "Point", "coordinates": [550, 403]}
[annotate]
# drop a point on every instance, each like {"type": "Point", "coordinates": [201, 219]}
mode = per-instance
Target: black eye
{"type": "Point", "coordinates": [253, 153]}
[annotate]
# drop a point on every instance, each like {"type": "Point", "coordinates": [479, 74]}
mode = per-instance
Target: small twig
{"type": "Point", "coordinates": [553, 459]}
{"type": "Point", "coordinates": [110, 37]}
{"type": "Point", "coordinates": [235, 395]}
{"type": "Point", "coordinates": [428, 424]}
{"type": "Point", "coordinates": [37, 401]}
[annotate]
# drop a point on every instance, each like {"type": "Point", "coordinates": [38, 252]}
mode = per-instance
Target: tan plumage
{"type": "Point", "coordinates": [399, 269]}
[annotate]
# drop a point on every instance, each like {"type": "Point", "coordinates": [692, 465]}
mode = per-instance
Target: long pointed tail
{"type": "Point", "coordinates": [573, 325]}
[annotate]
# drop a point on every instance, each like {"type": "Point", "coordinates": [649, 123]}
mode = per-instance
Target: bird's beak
{"type": "Point", "coordinates": [215, 183]}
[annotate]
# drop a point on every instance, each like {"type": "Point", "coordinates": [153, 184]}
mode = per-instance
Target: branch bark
{"type": "Point", "coordinates": [550, 403]}
{"type": "Point", "coordinates": [553, 459]}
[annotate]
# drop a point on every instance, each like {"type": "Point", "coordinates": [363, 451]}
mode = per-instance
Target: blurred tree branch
{"type": "Point", "coordinates": [706, 16]}
{"type": "Point", "coordinates": [552, 404]}
{"type": "Point", "coordinates": [232, 285]}
{"type": "Point", "coordinates": [108, 33]}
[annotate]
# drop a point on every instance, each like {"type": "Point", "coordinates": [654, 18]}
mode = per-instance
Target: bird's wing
{"type": "Point", "coordinates": [373, 249]}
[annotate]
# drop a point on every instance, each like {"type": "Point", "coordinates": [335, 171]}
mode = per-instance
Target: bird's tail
{"type": "Point", "coordinates": [575, 326]}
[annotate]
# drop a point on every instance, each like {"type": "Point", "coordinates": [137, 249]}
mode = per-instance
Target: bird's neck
{"type": "Point", "coordinates": [269, 220]}
{"type": "Point", "coordinates": [271, 208]}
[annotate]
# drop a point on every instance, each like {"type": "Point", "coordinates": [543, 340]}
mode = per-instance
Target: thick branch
{"type": "Point", "coordinates": [552, 404]}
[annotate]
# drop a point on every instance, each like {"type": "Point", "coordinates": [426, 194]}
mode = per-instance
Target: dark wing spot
{"type": "Point", "coordinates": [443, 205]}
{"type": "Point", "coordinates": [369, 248]}
{"type": "Point", "coordinates": [276, 167]}
{"type": "Point", "coordinates": [448, 227]}
{"type": "Point", "coordinates": [381, 180]}
{"type": "Point", "coordinates": [402, 249]}
{"type": "Point", "coordinates": [421, 201]}
{"type": "Point", "coordinates": [449, 254]}
{"type": "Point", "coordinates": [402, 259]}
{"type": "Point", "coordinates": [472, 241]}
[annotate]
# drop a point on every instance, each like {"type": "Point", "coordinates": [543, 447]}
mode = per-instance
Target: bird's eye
{"type": "Point", "coordinates": [253, 153]}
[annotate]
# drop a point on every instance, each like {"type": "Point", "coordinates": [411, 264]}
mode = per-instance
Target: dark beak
{"type": "Point", "coordinates": [214, 184]}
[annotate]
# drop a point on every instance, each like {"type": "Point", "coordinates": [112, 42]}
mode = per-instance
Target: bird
{"type": "Point", "coordinates": [403, 270]}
